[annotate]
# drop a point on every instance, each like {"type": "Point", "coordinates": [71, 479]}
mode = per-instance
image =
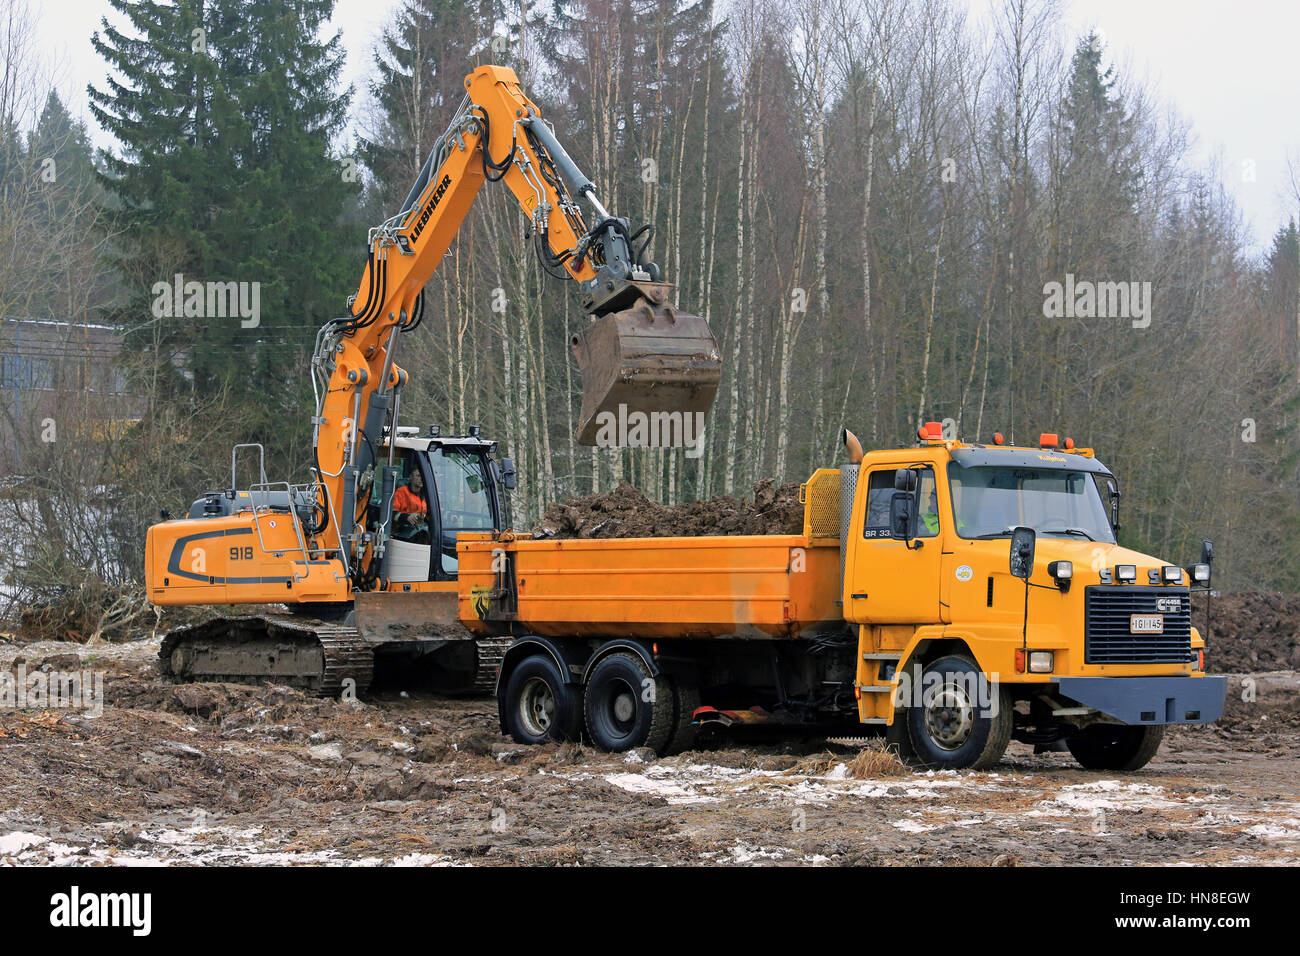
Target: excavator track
{"type": "Point", "coordinates": [348, 656]}
{"type": "Point", "coordinates": [317, 657]}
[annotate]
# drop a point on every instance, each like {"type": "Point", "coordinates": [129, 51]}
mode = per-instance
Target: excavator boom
{"type": "Point", "coordinates": [640, 353]}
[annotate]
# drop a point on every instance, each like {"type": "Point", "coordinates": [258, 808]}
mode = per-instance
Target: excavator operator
{"type": "Point", "coordinates": [411, 511]}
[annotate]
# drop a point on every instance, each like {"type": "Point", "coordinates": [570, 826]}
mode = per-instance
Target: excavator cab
{"type": "Point", "coordinates": [445, 486]}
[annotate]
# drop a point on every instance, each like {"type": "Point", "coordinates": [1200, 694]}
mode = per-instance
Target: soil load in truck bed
{"type": "Point", "coordinates": [625, 512]}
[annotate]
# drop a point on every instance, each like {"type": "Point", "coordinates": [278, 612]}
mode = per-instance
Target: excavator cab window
{"type": "Point", "coordinates": [466, 500]}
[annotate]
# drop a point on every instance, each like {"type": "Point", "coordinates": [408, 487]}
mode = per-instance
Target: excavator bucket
{"type": "Point", "coordinates": [649, 358]}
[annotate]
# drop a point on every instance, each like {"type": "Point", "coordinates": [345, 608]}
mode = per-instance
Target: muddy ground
{"type": "Point", "coordinates": [264, 775]}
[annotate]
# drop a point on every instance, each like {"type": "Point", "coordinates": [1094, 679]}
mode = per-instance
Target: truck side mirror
{"type": "Point", "coordinates": [1112, 490]}
{"type": "Point", "coordinates": [900, 515]}
{"type": "Point", "coordinates": [1022, 552]}
{"type": "Point", "coordinates": [508, 473]}
{"type": "Point", "coordinates": [905, 479]}
{"type": "Point", "coordinates": [1207, 552]}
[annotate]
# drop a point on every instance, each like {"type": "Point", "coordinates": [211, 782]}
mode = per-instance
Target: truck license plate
{"type": "Point", "coordinates": [1146, 624]}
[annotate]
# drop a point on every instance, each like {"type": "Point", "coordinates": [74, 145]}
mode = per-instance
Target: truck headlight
{"type": "Point", "coordinates": [1062, 572]}
{"type": "Point", "coordinates": [1200, 573]}
{"type": "Point", "coordinates": [1127, 573]}
{"type": "Point", "coordinates": [1040, 662]}
{"type": "Point", "coordinates": [1172, 575]}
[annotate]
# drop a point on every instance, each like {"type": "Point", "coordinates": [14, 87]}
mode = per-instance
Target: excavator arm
{"type": "Point", "coordinates": [640, 354]}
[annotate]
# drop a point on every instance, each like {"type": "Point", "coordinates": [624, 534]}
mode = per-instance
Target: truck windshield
{"type": "Point", "coordinates": [989, 502]}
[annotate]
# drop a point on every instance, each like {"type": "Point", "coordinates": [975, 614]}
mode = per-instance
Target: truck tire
{"type": "Point", "coordinates": [1116, 747]}
{"type": "Point", "coordinates": [538, 705]}
{"type": "Point", "coordinates": [952, 730]}
{"type": "Point", "coordinates": [898, 738]}
{"type": "Point", "coordinates": [626, 706]}
{"type": "Point", "coordinates": [686, 700]}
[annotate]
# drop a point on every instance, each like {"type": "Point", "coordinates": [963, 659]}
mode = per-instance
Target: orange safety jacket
{"type": "Point", "coordinates": [408, 502]}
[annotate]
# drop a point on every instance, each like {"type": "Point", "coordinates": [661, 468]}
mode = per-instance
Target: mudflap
{"type": "Point", "coordinates": [650, 359]}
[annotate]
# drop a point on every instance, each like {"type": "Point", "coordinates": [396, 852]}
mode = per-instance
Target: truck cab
{"type": "Point", "coordinates": [1007, 558]}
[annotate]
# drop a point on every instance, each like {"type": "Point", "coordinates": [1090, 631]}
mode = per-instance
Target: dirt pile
{"type": "Point", "coordinates": [625, 512]}
{"type": "Point", "coordinates": [1250, 631]}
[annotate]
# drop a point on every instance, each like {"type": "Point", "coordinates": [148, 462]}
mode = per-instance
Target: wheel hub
{"type": "Point", "coordinates": [536, 706]}
{"type": "Point", "coordinates": [949, 716]}
{"type": "Point", "coordinates": [624, 707]}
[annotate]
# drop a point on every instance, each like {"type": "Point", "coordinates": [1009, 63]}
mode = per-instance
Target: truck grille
{"type": "Point", "coordinates": [1106, 634]}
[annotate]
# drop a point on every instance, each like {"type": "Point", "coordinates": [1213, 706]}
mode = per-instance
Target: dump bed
{"type": "Point", "coordinates": [752, 586]}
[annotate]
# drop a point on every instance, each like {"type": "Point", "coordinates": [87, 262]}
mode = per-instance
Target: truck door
{"type": "Point", "coordinates": [885, 580]}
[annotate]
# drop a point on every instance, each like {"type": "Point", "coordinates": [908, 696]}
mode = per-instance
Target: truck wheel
{"type": "Point", "coordinates": [538, 704]}
{"type": "Point", "coordinates": [627, 706]}
{"type": "Point", "coordinates": [686, 700]}
{"type": "Point", "coordinates": [962, 723]}
{"type": "Point", "coordinates": [1116, 746]}
{"type": "Point", "coordinates": [898, 738]}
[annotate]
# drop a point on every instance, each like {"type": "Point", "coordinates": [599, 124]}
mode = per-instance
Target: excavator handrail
{"type": "Point", "coordinates": [265, 488]}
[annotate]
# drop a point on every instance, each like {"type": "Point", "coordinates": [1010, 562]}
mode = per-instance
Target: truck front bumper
{"type": "Point", "coordinates": [1150, 700]}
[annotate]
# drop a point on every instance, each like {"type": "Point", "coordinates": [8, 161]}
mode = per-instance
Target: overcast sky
{"type": "Point", "coordinates": [1224, 65]}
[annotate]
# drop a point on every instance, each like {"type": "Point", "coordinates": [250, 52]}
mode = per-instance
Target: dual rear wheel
{"type": "Point", "coordinates": [623, 705]}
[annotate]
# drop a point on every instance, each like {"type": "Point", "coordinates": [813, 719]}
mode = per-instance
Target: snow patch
{"type": "Point", "coordinates": [17, 841]}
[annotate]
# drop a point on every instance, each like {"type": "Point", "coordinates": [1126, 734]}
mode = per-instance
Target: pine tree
{"type": "Point", "coordinates": [226, 110]}
{"type": "Point", "coordinates": [63, 195]}
{"type": "Point", "coordinates": [1281, 290]}
{"type": "Point", "coordinates": [60, 138]}
{"type": "Point", "coordinates": [1101, 177]}
{"type": "Point", "coordinates": [11, 151]}
{"type": "Point", "coordinates": [420, 69]}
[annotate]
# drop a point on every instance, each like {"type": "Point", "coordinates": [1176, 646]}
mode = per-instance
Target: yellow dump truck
{"type": "Point", "coordinates": [951, 596]}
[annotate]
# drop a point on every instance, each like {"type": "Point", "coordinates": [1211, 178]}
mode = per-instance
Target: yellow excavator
{"type": "Point", "coordinates": [364, 554]}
